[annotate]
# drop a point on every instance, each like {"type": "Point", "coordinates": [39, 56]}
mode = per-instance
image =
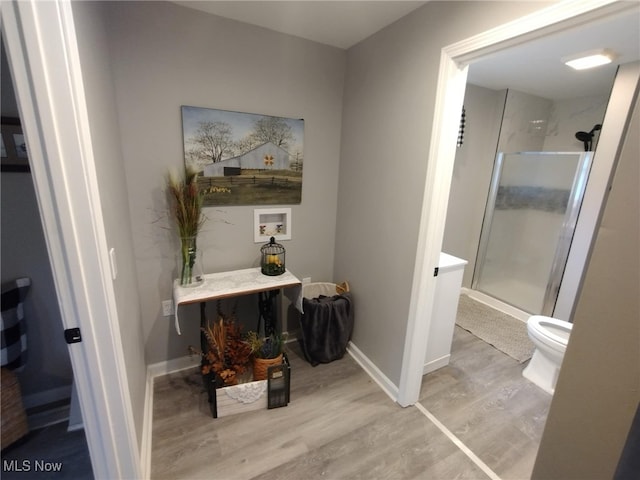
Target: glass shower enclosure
{"type": "Point", "coordinates": [531, 213]}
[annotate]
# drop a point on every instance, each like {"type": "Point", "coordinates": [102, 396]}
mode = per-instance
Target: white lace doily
{"type": "Point", "coordinates": [247, 392]}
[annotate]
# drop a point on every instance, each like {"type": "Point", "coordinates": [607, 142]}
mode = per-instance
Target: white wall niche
{"type": "Point", "coordinates": [271, 222]}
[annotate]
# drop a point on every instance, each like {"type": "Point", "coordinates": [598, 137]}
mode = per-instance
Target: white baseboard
{"type": "Point", "coordinates": [173, 365]}
{"type": "Point", "coordinates": [75, 413]}
{"type": "Point", "coordinates": [48, 396]}
{"type": "Point", "coordinates": [48, 417]}
{"type": "Point", "coordinates": [374, 372]}
{"type": "Point", "coordinates": [156, 370]}
{"type": "Point", "coordinates": [497, 304]}
{"type": "Point", "coordinates": [436, 364]}
{"type": "Point", "coordinates": [77, 426]}
{"type": "Point", "coordinates": [292, 336]}
{"type": "Point", "coordinates": [147, 427]}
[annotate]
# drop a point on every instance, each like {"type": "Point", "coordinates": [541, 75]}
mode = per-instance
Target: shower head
{"type": "Point", "coordinates": [584, 136]}
{"type": "Point", "coordinates": [587, 137]}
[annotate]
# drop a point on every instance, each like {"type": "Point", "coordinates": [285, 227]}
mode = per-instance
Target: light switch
{"type": "Point", "coordinates": [114, 265]}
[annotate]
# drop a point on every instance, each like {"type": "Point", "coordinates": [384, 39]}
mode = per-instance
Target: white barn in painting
{"type": "Point", "coordinates": [266, 156]}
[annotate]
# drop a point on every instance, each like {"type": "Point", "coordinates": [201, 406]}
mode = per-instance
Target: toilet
{"type": "Point", "coordinates": [550, 337]}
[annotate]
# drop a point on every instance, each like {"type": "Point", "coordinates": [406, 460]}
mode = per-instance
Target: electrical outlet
{"type": "Point", "coordinates": [167, 308]}
{"type": "Point", "coordinates": [306, 280]}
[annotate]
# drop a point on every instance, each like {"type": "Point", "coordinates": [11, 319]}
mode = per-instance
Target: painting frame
{"type": "Point", "coordinates": [244, 158]}
{"type": "Point", "coordinates": [271, 222]}
{"type": "Point", "coordinates": [13, 151]}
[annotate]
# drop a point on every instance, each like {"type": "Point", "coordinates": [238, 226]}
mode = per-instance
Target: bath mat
{"type": "Point", "coordinates": [502, 331]}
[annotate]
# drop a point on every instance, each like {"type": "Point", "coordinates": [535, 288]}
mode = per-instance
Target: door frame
{"type": "Point", "coordinates": [452, 78]}
{"type": "Point", "coordinates": [42, 50]}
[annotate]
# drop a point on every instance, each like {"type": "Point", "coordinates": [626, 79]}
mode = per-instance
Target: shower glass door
{"type": "Point", "coordinates": [529, 221]}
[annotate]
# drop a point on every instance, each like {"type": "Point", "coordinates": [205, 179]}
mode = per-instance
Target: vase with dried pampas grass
{"type": "Point", "coordinates": [186, 209]}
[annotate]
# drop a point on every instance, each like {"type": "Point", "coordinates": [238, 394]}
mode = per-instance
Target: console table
{"type": "Point", "coordinates": [238, 283]}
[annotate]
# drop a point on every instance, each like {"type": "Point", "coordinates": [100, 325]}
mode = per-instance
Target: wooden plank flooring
{"type": "Point", "coordinates": [340, 425]}
{"type": "Point", "coordinates": [65, 453]}
{"type": "Point", "coordinates": [483, 399]}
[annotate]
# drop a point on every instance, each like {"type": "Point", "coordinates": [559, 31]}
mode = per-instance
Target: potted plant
{"type": "Point", "coordinates": [266, 351]}
{"type": "Point", "coordinates": [228, 355]}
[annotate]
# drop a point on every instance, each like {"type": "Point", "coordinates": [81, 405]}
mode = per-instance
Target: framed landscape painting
{"type": "Point", "coordinates": [244, 158]}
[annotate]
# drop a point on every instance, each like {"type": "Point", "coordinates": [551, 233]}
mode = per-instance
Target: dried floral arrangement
{"type": "Point", "coordinates": [227, 355]}
{"type": "Point", "coordinates": [186, 209]}
{"type": "Point", "coordinates": [186, 199]}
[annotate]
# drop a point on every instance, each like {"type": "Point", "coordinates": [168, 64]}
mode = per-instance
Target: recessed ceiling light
{"type": "Point", "coordinates": [593, 58]}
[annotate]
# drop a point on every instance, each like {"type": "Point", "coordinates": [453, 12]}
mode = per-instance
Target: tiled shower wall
{"type": "Point", "coordinates": [524, 123]}
{"type": "Point", "coordinates": [570, 116]}
{"type": "Point", "coordinates": [536, 124]}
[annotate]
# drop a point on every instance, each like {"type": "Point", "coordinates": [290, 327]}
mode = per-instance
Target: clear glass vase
{"type": "Point", "coordinates": [190, 272]}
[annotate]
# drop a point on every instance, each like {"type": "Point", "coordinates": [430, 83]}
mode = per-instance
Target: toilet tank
{"type": "Point", "coordinates": [445, 308]}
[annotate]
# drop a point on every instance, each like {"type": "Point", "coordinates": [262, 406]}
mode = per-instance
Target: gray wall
{"type": "Point", "coordinates": [8, 102]}
{"type": "Point", "coordinates": [599, 385]}
{"type": "Point", "coordinates": [47, 375]}
{"type": "Point", "coordinates": [472, 172]}
{"type": "Point", "coordinates": [164, 56]}
{"type": "Point", "coordinates": [388, 111]}
{"type": "Point", "coordinates": [106, 142]}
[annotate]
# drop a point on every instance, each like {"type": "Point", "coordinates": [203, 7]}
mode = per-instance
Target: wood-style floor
{"type": "Point", "coordinates": [48, 453]}
{"type": "Point", "coordinates": [484, 400]}
{"type": "Point", "coordinates": [341, 425]}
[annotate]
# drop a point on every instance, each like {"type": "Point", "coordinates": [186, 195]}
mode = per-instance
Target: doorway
{"type": "Point", "coordinates": [46, 378]}
{"type": "Point", "coordinates": [453, 76]}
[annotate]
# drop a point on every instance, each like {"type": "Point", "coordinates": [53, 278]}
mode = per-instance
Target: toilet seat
{"type": "Point", "coordinates": [551, 331]}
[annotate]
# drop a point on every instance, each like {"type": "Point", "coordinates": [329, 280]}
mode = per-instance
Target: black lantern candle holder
{"type": "Point", "coordinates": [272, 258]}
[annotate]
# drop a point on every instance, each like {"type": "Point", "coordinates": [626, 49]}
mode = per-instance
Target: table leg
{"type": "Point", "coordinates": [203, 324]}
{"type": "Point", "coordinates": [268, 311]}
{"type": "Point", "coordinates": [210, 379]}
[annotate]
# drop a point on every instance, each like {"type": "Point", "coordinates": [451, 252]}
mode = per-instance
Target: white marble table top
{"type": "Point", "coordinates": [235, 283]}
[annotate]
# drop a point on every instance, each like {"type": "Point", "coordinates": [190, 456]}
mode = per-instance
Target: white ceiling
{"type": "Point", "coordinates": [340, 24]}
{"type": "Point", "coordinates": [536, 67]}
{"type": "Point", "coordinates": [533, 68]}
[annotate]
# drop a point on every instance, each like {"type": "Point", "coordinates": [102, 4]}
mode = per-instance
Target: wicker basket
{"type": "Point", "coordinates": [260, 366]}
{"type": "Point", "coordinates": [14, 419]}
